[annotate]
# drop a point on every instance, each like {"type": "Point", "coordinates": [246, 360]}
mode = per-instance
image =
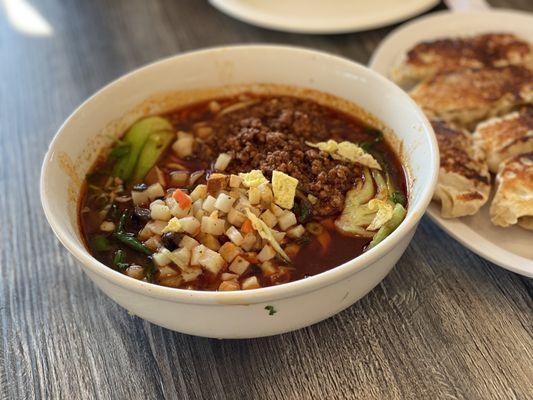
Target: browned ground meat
{"type": "Point", "coordinates": [271, 136]}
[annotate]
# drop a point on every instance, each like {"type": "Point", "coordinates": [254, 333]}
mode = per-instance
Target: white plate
{"type": "Point", "coordinates": [510, 248]}
{"type": "Point", "coordinates": [321, 16]}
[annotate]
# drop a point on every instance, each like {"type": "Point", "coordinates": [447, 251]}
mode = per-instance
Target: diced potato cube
{"type": "Point", "coordinates": [250, 283]}
{"type": "Point", "coordinates": [224, 202]}
{"type": "Point", "coordinates": [227, 276]}
{"type": "Point", "coordinates": [235, 193]}
{"type": "Point", "coordinates": [227, 286]}
{"type": "Point", "coordinates": [214, 226]}
{"type": "Point", "coordinates": [107, 226]}
{"type": "Point", "coordinates": [269, 218]}
{"type": "Point", "coordinates": [153, 243]}
{"type": "Point", "coordinates": [242, 204]}
{"type": "Point", "coordinates": [234, 235]}
{"type": "Point", "coordinates": [267, 253]}
{"type": "Point", "coordinates": [267, 197]}
{"type": "Point", "coordinates": [172, 281]}
{"type": "Point", "coordinates": [161, 258]}
{"type": "Point", "coordinates": [166, 272]}
{"type": "Point", "coordinates": [222, 161]}
{"type": "Point", "coordinates": [235, 181]}
{"type": "Point", "coordinates": [239, 265]}
{"type": "Point", "coordinates": [212, 261]}
{"type": "Point", "coordinates": [254, 195]}
{"type": "Point", "coordinates": [278, 236]}
{"type": "Point", "coordinates": [155, 191]}
{"type": "Point", "coordinates": [156, 227]}
{"type": "Point", "coordinates": [268, 268]}
{"type": "Point", "coordinates": [135, 272]}
{"type": "Point", "coordinates": [145, 233]}
{"type": "Point", "coordinates": [181, 257]}
{"type": "Point", "coordinates": [199, 214]}
{"type": "Point", "coordinates": [287, 220]}
{"type": "Point", "coordinates": [215, 183]}
{"type": "Point", "coordinates": [184, 146]}
{"type": "Point", "coordinates": [197, 253]}
{"type": "Point", "coordinates": [160, 211]}
{"type": "Point", "coordinates": [276, 210]}
{"type": "Point", "coordinates": [190, 225]}
{"type": "Point", "coordinates": [140, 198]}
{"type": "Point", "coordinates": [197, 205]}
{"type": "Point", "coordinates": [199, 192]}
{"type": "Point", "coordinates": [296, 232]}
{"type": "Point", "coordinates": [229, 251]}
{"type": "Point", "coordinates": [188, 242]}
{"type": "Point", "coordinates": [249, 241]}
{"type": "Point", "coordinates": [209, 204]}
{"type": "Point", "coordinates": [210, 241]}
{"type": "Point", "coordinates": [235, 217]}
{"type": "Point", "coordinates": [190, 273]}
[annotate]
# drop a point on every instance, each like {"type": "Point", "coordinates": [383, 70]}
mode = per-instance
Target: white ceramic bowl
{"type": "Point", "coordinates": [237, 314]}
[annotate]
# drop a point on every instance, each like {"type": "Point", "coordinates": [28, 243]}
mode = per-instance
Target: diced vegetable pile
{"type": "Point", "coordinates": [242, 231]}
{"type": "Point", "coordinates": [226, 226]}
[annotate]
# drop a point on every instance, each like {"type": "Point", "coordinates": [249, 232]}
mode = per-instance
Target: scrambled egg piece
{"type": "Point", "coordinates": [254, 178]}
{"type": "Point", "coordinates": [347, 151]}
{"type": "Point", "coordinates": [265, 232]}
{"type": "Point", "coordinates": [383, 213]}
{"type": "Point", "coordinates": [173, 225]}
{"type": "Point", "coordinates": [284, 188]}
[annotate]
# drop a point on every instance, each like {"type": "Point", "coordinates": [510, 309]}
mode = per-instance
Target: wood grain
{"type": "Point", "coordinates": [444, 324]}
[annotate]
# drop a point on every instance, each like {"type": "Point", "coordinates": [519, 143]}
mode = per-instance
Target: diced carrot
{"type": "Point", "coordinates": [324, 239]}
{"type": "Point", "coordinates": [246, 226]}
{"type": "Point", "coordinates": [183, 200]}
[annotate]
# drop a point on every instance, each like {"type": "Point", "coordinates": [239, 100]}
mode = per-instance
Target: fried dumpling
{"type": "Point", "coordinates": [505, 137]}
{"type": "Point", "coordinates": [452, 54]}
{"type": "Point", "coordinates": [513, 201]}
{"type": "Point", "coordinates": [468, 96]}
{"type": "Point", "coordinates": [464, 181]}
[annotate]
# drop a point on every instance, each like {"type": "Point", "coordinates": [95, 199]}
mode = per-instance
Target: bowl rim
{"type": "Point", "coordinates": [260, 295]}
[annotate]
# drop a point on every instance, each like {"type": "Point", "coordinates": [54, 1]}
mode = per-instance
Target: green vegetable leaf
{"type": "Point", "coordinates": [155, 145]}
{"type": "Point", "coordinates": [398, 198]}
{"type": "Point", "coordinates": [149, 271]}
{"type": "Point", "coordinates": [119, 151]}
{"type": "Point", "coordinates": [129, 240]}
{"type": "Point", "coordinates": [100, 243]}
{"type": "Point", "coordinates": [119, 261]}
{"type": "Point", "coordinates": [378, 135]}
{"type": "Point", "coordinates": [271, 310]}
{"type": "Point", "coordinates": [136, 137]}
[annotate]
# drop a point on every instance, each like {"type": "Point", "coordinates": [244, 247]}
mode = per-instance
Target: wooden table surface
{"type": "Point", "coordinates": [445, 324]}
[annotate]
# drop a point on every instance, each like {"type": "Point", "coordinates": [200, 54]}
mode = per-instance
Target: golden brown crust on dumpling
{"type": "Point", "coordinates": [505, 137]}
{"type": "Point", "coordinates": [464, 180]}
{"type": "Point", "coordinates": [452, 54]}
{"type": "Point", "coordinates": [513, 201]}
{"type": "Point", "coordinates": [468, 96]}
